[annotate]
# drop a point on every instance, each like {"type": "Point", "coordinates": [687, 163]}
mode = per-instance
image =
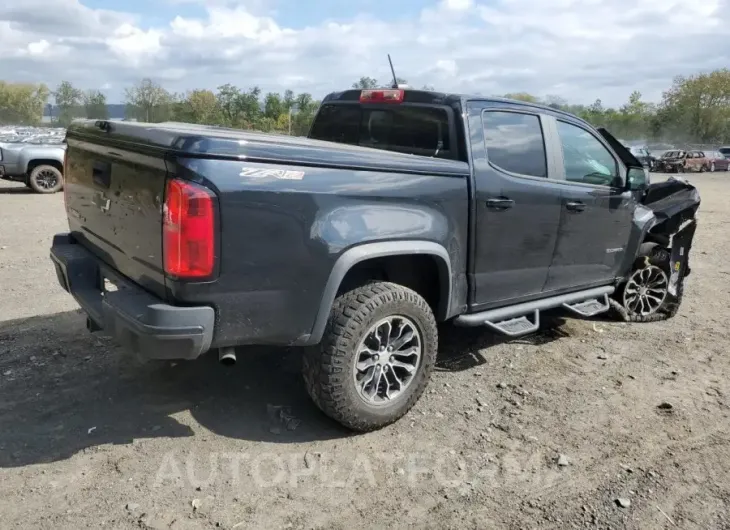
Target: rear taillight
{"type": "Point", "coordinates": [382, 96]}
{"type": "Point", "coordinates": [188, 230]}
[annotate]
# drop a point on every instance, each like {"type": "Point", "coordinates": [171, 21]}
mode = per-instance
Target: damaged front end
{"type": "Point", "coordinates": [667, 216]}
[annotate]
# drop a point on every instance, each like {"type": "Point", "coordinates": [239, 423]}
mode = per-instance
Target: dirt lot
{"type": "Point", "coordinates": [90, 438]}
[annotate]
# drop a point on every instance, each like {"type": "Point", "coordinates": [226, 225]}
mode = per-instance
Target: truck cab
{"type": "Point", "coordinates": [551, 203]}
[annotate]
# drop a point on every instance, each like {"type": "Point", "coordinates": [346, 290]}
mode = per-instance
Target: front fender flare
{"type": "Point", "coordinates": [366, 251]}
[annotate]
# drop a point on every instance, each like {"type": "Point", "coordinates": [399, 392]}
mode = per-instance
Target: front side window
{"type": "Point", "coordinates": [586, 159]}
{"type": "Point", "coordinates": [515, 142]}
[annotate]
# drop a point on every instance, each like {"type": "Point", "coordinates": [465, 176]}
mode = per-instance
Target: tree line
{"type": "Point", "coordinates": [693, 109]}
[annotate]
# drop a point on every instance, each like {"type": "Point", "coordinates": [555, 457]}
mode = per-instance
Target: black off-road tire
{"type": "Point", "coordinates": [328, 367]}
{"type": "Point", "coordinates": [652, 256]}
{"type": "Point", "coordinates": [39, 172]}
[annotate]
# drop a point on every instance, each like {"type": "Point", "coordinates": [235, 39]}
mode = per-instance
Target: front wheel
{"type": "Point", "coordinates": [712, 167]}
{"type": "Point", "coordinates": [375, 358]}
{"type": "Point", "coordinates": [645, 296]}
{"type": "Point", "coordinates": [45, 179]}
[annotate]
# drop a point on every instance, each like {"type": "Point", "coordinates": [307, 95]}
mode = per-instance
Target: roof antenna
{"type": "Point", "coordinates": [395, 79]}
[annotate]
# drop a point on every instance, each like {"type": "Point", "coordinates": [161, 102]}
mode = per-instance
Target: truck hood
{"type": "Point", "coordinates": [626, 156]}
{"type": "Point", "coordinates": [670, 197]}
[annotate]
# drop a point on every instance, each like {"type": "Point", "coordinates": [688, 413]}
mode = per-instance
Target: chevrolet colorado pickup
{"type": "Point", "coordinates": [402, 208]}
{"type": "Point", "coordinates": [40, 167]}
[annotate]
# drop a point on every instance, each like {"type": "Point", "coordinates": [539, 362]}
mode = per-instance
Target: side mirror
{"type": "Point", "coordinates": [637, 179]}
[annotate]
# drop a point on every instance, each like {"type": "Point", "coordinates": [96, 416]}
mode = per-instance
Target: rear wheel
{"type": "Point", "coordinates": [645, 296]}
{"type": "Point", "coordinates": [712, 167]}
{"type": "Point", "coordinates": [375, 358]}
{"type": "Point", "coordinates": [45, 179]}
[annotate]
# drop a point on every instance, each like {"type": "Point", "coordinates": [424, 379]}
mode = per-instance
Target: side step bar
{"type": "Point", "coordinates": [591, 307]}
{"type": "Point", "coordinates": [513, 321]}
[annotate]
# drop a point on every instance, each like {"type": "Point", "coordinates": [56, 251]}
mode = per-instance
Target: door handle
{"type": "Point", "coordinates": [575, 206]}
{"type": "Point", "coordinates": [500, 203]}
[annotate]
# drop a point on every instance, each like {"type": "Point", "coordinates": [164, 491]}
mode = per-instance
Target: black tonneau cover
{"type": "Point", "coordinates": [211, 141]}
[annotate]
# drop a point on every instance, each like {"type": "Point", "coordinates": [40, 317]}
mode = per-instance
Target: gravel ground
{"type": "Point", "coordinates": [560, 430]}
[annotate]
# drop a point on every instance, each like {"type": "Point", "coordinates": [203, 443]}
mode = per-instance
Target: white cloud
{"type": "Point", "coordinates": [458, 5]}
{"type": "Point", "coordinates": [39, 47]}
{"type": "Point", "coordinates": [579, 49]}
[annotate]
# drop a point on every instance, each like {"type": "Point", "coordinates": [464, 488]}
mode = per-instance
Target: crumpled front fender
{"type": "Point", "coordinates": [666, 215]}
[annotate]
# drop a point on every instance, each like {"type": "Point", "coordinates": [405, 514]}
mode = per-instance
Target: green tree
{"type": "Point", "coordinates": [198, 106]}
{"type": "Point", "coordinates": [68, 100]}
{"type": "Point", "coordinates": [239, 108]}
{"type": "Point", "coordinates": [522, 96]}
{"type": "Point", "coordinates": [148, 101]}
{"type": "Point", "coordinates": [700, 105]}
{"type": "Point", "coordinates": [365, 83]}
{"type": "Point", "coordinates": [22, 103]}
{"type": "Point", "coordinates": [95, 105]}
{"type": "Point", "coordinates": [274, 106]}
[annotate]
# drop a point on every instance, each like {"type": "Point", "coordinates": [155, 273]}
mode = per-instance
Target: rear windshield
{"type": "Point", "coordinates": [420, 131]}
{"type": "Point", "coordinates": [725, 150]}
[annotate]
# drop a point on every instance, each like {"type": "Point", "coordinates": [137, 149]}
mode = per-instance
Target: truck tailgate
{"type": "Point", "coordinates": [114, 196]}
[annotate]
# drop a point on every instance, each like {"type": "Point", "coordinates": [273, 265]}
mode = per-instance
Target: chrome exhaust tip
{"type": "Point", "coordinates": [227, 356]}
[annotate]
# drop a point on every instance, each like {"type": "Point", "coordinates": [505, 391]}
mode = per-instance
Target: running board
{"type": "Point", "coordinates": [516, 327]}
{"type": "Point", "coordinates": [589, 308]}
{"type": "Point", "coordinates": [513, 321]}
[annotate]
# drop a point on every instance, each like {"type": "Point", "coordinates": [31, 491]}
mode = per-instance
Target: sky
{"type": "Point", "coordinates": [580, 50]}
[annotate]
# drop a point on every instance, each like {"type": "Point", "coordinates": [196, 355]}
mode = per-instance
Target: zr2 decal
{"type": "Point", "coordinates": [282, 174]}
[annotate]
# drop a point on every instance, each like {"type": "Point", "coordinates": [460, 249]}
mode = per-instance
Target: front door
{"type": "Point", "coordinates": [596, 212]}
{"type": "Point", "coordinates": [517, 209]}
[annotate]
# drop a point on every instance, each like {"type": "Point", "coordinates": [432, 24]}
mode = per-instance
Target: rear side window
{"type": "Point", "coordinates": [416, 130]}
{"type": "Point", "coordinates": [515, 143]}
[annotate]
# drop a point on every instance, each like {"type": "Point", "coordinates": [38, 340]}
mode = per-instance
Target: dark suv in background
{"type": "Point", "coordinates": [643, 155]}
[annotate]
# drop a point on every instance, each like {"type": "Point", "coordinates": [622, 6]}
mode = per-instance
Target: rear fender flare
{"type": "Point", "coordinates": [366, 251]}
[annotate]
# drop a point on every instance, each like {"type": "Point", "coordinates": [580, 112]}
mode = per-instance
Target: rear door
{"type": "Point", "coordinates": [114, 194]}
{"type": "Point", "coordinates": [516, 206]}
{"type": "Point", "coordinates": [596, 212]}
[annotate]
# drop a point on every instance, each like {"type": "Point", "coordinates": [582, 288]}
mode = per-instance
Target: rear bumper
{"type": "Point", "coordinates": [138, 320]}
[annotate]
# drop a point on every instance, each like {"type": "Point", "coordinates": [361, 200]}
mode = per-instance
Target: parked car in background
{"type": "Point", "coordinates": [40, 167]}
{"type": "Point", "coordinates": [671, 161]}
{"type": "Point", "coordinates": [679, 161]}
{"type": "Point", "coordinates": [696, 161]}
{"type": "Point", "coordinates": [718, 161]}
{"type": "Point", "coordinates": [642, 154]}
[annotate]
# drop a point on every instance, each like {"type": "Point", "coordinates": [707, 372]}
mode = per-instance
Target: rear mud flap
{"type": "Point", "coordinates": [679, 259]}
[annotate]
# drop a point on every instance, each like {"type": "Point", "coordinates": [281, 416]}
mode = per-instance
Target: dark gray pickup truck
{"type": "Point", "coordinates": [402, 209]}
